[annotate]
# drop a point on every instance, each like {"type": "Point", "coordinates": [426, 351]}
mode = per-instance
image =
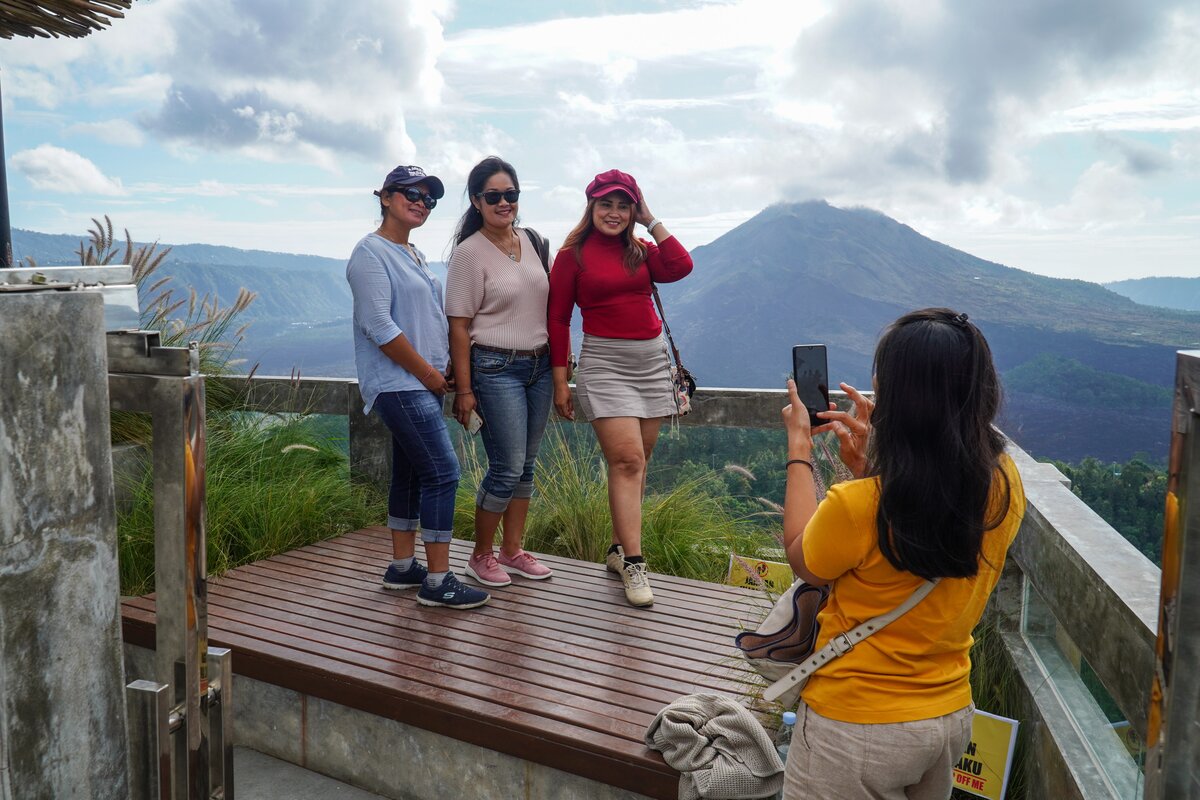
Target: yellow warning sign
{"type": "Point", "coordinates": [754, 573]}
{"type": "Point", "coordinates": [984, 768]}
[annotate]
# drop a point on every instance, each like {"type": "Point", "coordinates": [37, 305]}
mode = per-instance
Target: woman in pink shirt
{"type": "Point", "coordinates": [624, 377]}
{"type": "Point", "coordinates": [496, 304]}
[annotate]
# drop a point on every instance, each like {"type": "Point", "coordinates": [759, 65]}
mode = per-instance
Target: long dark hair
{"type": "Point", "coordinates": [472, 218]}
{"type": "Point", "coordinates": [933, 446]}
{"type": "Point", "coordinates": [635, 249]}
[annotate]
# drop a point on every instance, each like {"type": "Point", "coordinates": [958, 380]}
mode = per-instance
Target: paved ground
{"type": "Point", "coordinates": [259, 777]}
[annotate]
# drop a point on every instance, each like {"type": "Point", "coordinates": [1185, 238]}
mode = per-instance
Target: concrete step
{"type": "Point", "coordinates": [261, 777]}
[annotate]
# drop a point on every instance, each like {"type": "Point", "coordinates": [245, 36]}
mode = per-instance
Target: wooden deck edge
{"type": "Point", "coordinates": [652, 777]}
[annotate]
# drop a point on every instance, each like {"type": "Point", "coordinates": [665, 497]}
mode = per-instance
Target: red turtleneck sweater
{"type": "Point", "coordinates": [614, 304]}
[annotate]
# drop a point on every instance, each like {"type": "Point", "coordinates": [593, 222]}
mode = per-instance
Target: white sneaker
{"type": "Point", "coordinates": [637, 584]}
{"type": "Point", "coordinates": [615, 562]}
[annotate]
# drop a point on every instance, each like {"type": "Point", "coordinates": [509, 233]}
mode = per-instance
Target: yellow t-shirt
{"type": "Point", "coordinates": [917, 667]}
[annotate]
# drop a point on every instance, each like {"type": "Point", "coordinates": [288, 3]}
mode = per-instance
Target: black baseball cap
{"type": "Point", "coordinates": [409, 176]}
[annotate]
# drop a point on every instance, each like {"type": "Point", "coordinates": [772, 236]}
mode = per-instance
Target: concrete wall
{"type": "Point", "coordinates": [62, 710]}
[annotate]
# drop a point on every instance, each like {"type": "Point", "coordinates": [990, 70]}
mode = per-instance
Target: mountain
{"type": "Point", "coordinates": [1178, 293]}
{"type": "Point", "coordinates": [810, 272]}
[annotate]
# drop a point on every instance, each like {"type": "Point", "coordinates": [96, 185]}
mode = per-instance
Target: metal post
{"type": "Point", "coordinates": [1173, 743]}
{"type": "Point", "coordinates": [149, 711]}
{"type": "Point", "coordinates": [220, 720]}
{"type": "Point", "coordinates": [166, 382]}
{"type": "Point", "coordinates": [6, 256]}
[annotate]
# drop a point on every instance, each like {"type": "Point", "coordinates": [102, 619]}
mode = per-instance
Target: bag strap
{"type": "Point", "coordinates": [542, 245]}
{"type": "Point", "coordinates": [844, 642]}
{"type": "Point", "coordinates": [666, 327]}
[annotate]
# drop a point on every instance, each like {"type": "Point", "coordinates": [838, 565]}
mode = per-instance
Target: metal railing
{"type": "Point", "coordinates": [1075, 596]}
{"type": "Point", "coordinates": [180, 723]}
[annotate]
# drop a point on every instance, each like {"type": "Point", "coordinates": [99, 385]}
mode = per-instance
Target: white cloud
{"type": "Point", "coordinates": [300, 81]}
{"type": "Point", "coordinates": [57, 170]}
{"type": "Point", "coordinates": [620, 42]}
{"type": "Point", "coordinates": [112, 131]}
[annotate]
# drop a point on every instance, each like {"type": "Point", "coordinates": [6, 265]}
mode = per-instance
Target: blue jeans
{"type": "Point", "coordinates": [514, 395]}
{"type": "Point", "coordinates": [424, 468]}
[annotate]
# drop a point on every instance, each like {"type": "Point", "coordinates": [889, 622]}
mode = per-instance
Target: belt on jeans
{"type": "Point", "coordinates": [509, 351]}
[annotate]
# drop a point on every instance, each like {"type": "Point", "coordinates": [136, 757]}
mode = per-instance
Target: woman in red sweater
{"type": "Point", "coordinates": [624, 376]}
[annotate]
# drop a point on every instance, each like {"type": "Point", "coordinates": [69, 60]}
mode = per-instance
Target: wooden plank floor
{"type": "Point", "coordinates": [561, 672]}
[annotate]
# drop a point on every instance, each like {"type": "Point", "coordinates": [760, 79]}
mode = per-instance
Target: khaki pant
{"type": "Point", "coordinates": [831, 760]}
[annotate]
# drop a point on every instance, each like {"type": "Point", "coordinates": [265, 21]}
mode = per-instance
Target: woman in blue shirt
{"type": "Point", "coordinates": [401, 351]}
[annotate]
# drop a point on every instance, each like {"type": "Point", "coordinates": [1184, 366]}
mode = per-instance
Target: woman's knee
{"type": "Point", "coordinates": [628, 462]}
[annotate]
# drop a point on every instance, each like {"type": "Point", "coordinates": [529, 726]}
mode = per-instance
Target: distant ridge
{"type": "Point", "coordinates": [1177, 293]}
{"type": "Point", "coordinates": [796, 272]}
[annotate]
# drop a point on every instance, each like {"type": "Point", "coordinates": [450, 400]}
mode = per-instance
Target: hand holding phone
{"type": "Point", "coordinates": [474, 422]}
{"type": "Point", "coordinates": [810, 370]}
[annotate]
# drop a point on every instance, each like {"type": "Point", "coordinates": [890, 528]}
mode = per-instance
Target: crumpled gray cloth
{"type": "Point", "coordinates": [719, 748]}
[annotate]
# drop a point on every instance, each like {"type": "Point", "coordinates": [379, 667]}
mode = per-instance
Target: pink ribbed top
{"type": "Point", "coordinates": [505, 300]}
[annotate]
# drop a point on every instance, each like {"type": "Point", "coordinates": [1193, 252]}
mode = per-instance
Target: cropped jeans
{"type": "Point", "coordinates": [425, 469]}
{"type": "Point", "coordinates": [514, 394]}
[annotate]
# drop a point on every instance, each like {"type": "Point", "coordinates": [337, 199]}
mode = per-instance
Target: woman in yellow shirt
{"type": "Point", "coordinates": [936, 498]}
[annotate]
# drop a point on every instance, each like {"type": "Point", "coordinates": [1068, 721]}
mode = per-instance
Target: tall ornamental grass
{"type": "Point", "coordinates": [272, 485]}
{"type": "Point", "coordinates": [685, 530]}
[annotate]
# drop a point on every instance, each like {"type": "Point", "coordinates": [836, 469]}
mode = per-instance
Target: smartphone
{"type": "Point", "coordinates": [810, 370]}
{"type": "Point", "coordinates": [474, 422]}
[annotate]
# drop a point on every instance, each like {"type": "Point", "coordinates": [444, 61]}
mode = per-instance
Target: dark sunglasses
{"type": "Point", "coordinates": [493, 197]}
{"type": "Point", "coordinates": [412, 195]}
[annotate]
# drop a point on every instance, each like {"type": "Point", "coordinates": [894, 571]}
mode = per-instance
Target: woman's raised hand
{"type": "Point", "coordinates": [852, 429]}
{"type": "Point", "coordinates": [644, 215]}
{"type": "Point", "coordinates": [796, 423]}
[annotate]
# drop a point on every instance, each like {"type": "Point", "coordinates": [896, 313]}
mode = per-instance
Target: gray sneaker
{"type": "Point", "coordinates": [615, 562]}
{"type": "Point", "coordinates": [637, 584]}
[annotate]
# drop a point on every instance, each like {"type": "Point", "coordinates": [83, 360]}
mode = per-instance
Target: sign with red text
{"type": "Point", "coordinates": [984, 768]}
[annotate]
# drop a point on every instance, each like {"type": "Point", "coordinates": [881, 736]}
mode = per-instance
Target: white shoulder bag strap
{"type": "Point", "coordinates": [844, 642]}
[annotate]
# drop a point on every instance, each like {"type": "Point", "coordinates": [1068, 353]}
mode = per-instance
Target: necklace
{"type": "Point", "coordinates": [512, 256]}
{"type": "Point", "coordinates": [380, 232]}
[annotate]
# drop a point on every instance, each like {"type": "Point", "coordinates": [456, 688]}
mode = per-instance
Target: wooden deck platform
{"type": "Point", "coordinates": [560, 672]}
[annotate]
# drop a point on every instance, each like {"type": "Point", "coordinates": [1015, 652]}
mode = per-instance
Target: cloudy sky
{"type": "Point", "coordinates": [1058, 136]}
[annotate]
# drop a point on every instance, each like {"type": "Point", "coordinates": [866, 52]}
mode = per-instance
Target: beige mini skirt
{"type": "Point", "coordinates": [624, 378]}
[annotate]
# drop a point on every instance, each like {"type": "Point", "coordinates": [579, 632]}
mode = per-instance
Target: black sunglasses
{"type": "Point", "coordinates": [412, 195]}
{"type": "Point", "coordinates": [493, 197]}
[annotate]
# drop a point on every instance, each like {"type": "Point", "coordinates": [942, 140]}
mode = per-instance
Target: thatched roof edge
{"type": "Point", "coordinates": [47, 18]}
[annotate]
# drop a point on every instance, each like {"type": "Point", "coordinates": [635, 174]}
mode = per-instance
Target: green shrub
{"type": "Point", "coordinates": [686, 531]}
{"type": "Point", "coordinates": [272, 485]}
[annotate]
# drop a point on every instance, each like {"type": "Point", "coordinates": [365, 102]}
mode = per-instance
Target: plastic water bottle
{"type": "Point", "coordinates": [783, 738]}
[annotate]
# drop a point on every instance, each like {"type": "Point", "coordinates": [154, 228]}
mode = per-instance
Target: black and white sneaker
{"type": "Point", "coordinates": [410, 578]}
{"type": "Point", "coordinates": [452, 594]}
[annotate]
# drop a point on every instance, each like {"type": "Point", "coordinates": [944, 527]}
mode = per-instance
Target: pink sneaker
{"type": "Point", "coordinates": [526, 565]}
{"type": "Point", "coordinates": [487, 571]}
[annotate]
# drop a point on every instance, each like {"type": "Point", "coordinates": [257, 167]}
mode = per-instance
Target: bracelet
{"type": "Point", "coordinates": [465, 391]}
{"type": "Point", "coordinates": [798, 461]}
{"type": "Point", "coordinates": [429, 372]}
{"type": "Point", "coordinates": [653, 223]}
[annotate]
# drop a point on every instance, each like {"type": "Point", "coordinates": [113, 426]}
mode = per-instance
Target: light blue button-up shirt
{"type": "Point", "coordinates": [394, 293]}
